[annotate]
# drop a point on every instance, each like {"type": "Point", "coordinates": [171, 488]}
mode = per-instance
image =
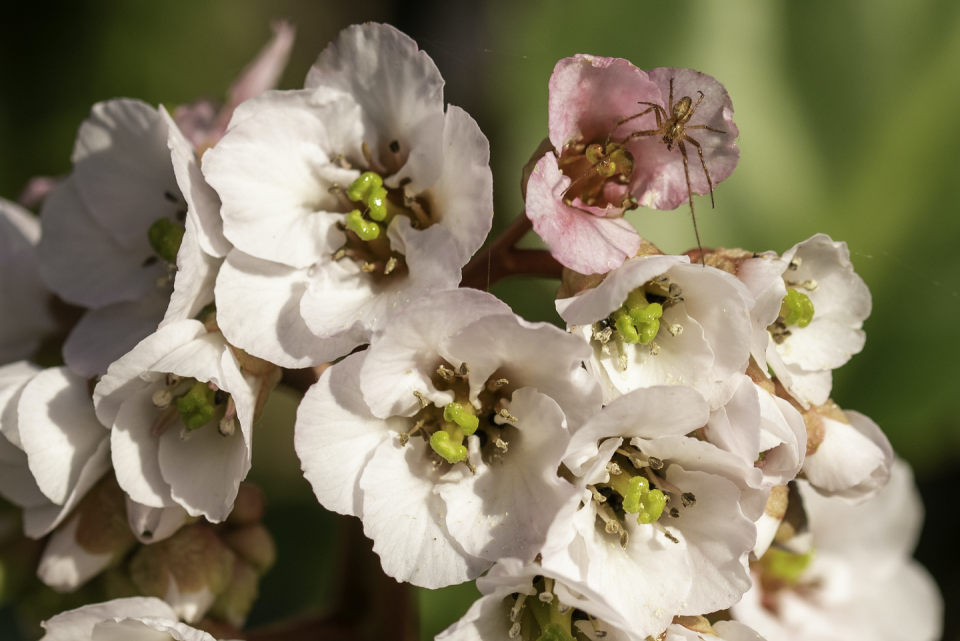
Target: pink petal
{"type": "Point", "coordinates": [579, 240]}
{"type": "Point", "coordinates": [590, 94]}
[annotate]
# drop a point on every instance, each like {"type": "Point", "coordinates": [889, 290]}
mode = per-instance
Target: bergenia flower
{"type": "Point", "coordinates": [25, 317]}
{"type": "Point", "coordinates": [446, 434]}
{"type": "Point", "coordinates": [607, 125]}
{"type": "Point", "coordinates": [850, 576]}
{"type": "Point", "coordinates": [54, 449]}
{"type": "Point", "coordinates": [667, 520]}
{"type": "Point", "coordinates": [657, 320]}
{"type": "Point", "coordinates": [181, 407]}
{"type": "Point", "coordinates": [131, 619]}
{"type": "Point", "coordinates": [848, 455]}
{"type": "Point", "coordinates": [819, 327]}
{"type": "Point", "coordinates": [345, 200]}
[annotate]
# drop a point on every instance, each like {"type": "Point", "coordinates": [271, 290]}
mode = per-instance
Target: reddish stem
{"type": "Point", "coordinates": [502, 259]}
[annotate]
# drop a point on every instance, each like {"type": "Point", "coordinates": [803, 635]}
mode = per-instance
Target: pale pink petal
{"type": "Point", "coordinates": [589, 95]}
{"type": "Point", "coordinates": [658, 179]}
{"type": "Point", "coordinates": [36, 190]}
{"type": "Point", "coordinates": [400, 91]}
{"type": "Point", "coordinates": [580, 240]}
{"type": "Point", "coordinates": [77, 625]}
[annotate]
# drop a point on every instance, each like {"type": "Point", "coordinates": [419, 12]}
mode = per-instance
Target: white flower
{"type": "Point", "coordinates": [685, 325]}
{"type": "Point", "coordinates": [368, 135]}
{"type": "Point", "coordinates": [854, 578]}
{"type": "Point", "coordinates": [830, 302]}
{"type": "Point", "coordinates": [54, 449]}
{"type": "Point", "coordinates": [847, 453]}
{"type": "Point", "coordinates": [130, 619]}
{"type": "Point", "coordinates": [113, 229]}
{"type": "Point", "coordinates": [455, 378]}
{"type": "Point", "coordinates": [181, 410]}
{"type": "Point", "coordinates": [667, 520]}
{"type": "Point", "coordinates": [24, 302]}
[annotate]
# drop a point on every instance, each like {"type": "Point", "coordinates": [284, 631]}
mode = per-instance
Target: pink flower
{"type": "Point", "coordinates": [602, 167]}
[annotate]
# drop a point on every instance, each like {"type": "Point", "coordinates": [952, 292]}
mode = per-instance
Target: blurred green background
{"type": "Point", "coordinates": [848, 119]}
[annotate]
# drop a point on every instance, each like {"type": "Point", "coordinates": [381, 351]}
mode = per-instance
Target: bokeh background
{"type": "Point", "coordinates": [848, 113]}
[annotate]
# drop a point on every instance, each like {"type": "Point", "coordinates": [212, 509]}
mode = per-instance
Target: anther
{"type": "Point", "coordinates": [654, 349]}
{"type": "Point", "coordinates": [603, 335]}
{"type": "Point", "coordinates": [795, 263]}
{"type": "Point", "coordinates": [502, 445]}
{"type": "Point", "coordinates": [613, 468]}
{"type": "Point", "coordinates": [674, 512]}
{"type": "Point", "coordinates": [368, 268]}
{"type": "Point", "coordinates": [340, 253]}
{"type": "Point", "coordinates": [654, 463]}
{"type": "Point", "coordinates": [599, 498]}
{"type": "Point", "coordinates": [507, 416]}
{"type": "Point", "coordinates": [517, 607]}
{"type": "Point", "coordinates": [688, 499]}
{"type": "Point", "coordinates": [445, 373]}
{"type": "Point", "coordinates": [675, 292]}
{"type": "Point", "coordinates": [675, 329]}
{"type": "Point", "coordinates": [464, 369]}
{"type": "Point", "coordinates": [622, 362]}
{"type": "Point", "coordinates": [162, 399]}
{"type": "Point", "coordinates": [546, 597]}
{"type": "Point", "coordinates": [390, 266]}
{"type": "Point", "coordinates": [514, 630]}
{"type": "Point", "coordinates": [335, 190]}
{"type": "Point", "coordinates": [493, 386]}
{"type": "Point", "coordinates": [563, 609]}
{"type": "Point", "coordinates": [227, 426]}
{"type": "Point", "coordinates": [420, 399]}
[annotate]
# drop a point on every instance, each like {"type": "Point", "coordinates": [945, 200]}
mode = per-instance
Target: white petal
{"type": "Point", "coordinates": [399, 89]}
{"type": "Point", "coordinates": [591, 305]}
{"type": "Point", "coordinates": [405, 519]}
{"type": "Point", "coordinates": [505, 510]}
{"type": "Point", "coordinates": [763, 276]}
{"type": "Point", "coordinates": [646, 413]}
{"type": "Point", "coordinates": [204, 470]}
{"type": "Point", "coordinates": [735, 631]}
{"type": "Point", "coordinates": [258, 310]}
{"type": "Point", "coordinates": [535, 355]}
{"type": "Point", "coordinates": [718, 538]}
{"type": "Point", "coordinates": [273, 171]}
{"type": "Point", "coordinates": [135, 450]}
{"type": "Point", "coordinates": [199, 359]}
{"type": "Point", "coordinates": [59, 430]}
{"type": "Point", "coordinates": [152, 524]}
{"type": "Point", "coordinates": [104, 335]}
{"type": "Point", "coordinates": [122, 169]}
{"type": "Point", "coordinates": [735, 427]}
{"type": "Point", "coordinates": [13, 378]}
{"type": "Point", "coordinates": [463, 195]}
{"type": "Point", "coordinates": [65, 564]}
{"type": "Point", "coordinates": [195, 279]}
{"type": "Point", "coordinates": [77, 625]}
{"type": "Point", "coordinates": [853, 460]}
{"type": "Point", "coordinates": [17, 484]}
{"type": "Point", "coordinates": [403, 356]}
{"type": "Point", "coordinates": [340, 295]}
{"type": "Point", "coordinates": [336, 436]}
{"type": "Point", "coordinates": [82, 262]}
{"type": "Point", "coordinates": [124, 376]}
{"type": "Point", "coordinates": [203, 204]}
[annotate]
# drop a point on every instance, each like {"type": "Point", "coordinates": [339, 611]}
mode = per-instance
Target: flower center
{"type": "Point", "coordinates": [446, 428]}
{"type": "Point", "coordinates": [635, 487]}
{"type": "Point", "coordinates": [194, 402]}
{"type": "Point", "coordinates": [165, 237]}
{"type": "Point", "coordinates": [370, 207]}
{"type": "Point", "coordinates": [796, 310]}
{"type": "Point", "coordinates": [638, 320]}
{"type": "Point", "coordinates": [542, 617]}
{"type": "Point", "coordinates": [599, 174]}
{"type": "Point", "coordinates": [781, 570]}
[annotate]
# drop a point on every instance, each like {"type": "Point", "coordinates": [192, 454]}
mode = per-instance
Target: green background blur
{"type": "Point", "coordinates": [849, 125]}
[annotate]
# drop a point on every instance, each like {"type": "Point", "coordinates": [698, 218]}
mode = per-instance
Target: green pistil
{"type": "Point", "coordinates": [786, 566]}
{"type": "Point", "coordinates": [361, 188]}
{"type": "Point", "coordinates": [639, 499]}
{"type": "Point", "coordinates": [365, 229]}
{"type": "Point", "coordinates": [554, 626]}
{"type": "Point", "coordinates": [456, 413]}
{"type": "Point", "coordinates": [197, 406]}
{"type": "Point", "coordinates": [554, 632]}
{"type": "Point", "coordinates": [638, 321]}
{"type": "Point", "coordinates": [443, 445]}
{"type": "Point", "coordinates": [165, 238]}
{"type": "Point", "coordinates": [377, 202]}
{"type": "Point", "coordinates": [796, 309]}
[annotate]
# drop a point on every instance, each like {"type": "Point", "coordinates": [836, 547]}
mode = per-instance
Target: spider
{"type": "Point", "coordinates": [672, 131]}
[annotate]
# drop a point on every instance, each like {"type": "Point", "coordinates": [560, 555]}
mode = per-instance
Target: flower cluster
{"type": "Point", "coordinates": [668, 465]}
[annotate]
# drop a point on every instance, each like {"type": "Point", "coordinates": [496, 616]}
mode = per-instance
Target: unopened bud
{"type": "Point", "coordinates": [254, 545]}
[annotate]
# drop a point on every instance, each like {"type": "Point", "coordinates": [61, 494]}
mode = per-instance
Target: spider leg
{"type": "Point", "coordinates": [716, 131]}
{"type": "Point", "coordinates": [699, 100]}
{"type": "Point", "coordinates": [653, 107]}
{"type": "Point", "coordinates": [640, 134]}
{"type": "Point", "coordinates": [693, 215]}
{"type": "Point", "coordinates": [671, 95]}
{"type": "Point", "coordinates": [702, 162]}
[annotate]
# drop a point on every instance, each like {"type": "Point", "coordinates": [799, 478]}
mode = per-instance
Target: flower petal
{"type": "Point", "coordinates": [78, 624]}
{"type": "Point", "coordinates": [135, 450]}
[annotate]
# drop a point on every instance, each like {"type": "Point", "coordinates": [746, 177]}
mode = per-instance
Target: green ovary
{"type": "Point", "coordinates": [165, 238]}
{"type": "Point", "coordinates": [443, 445]}
{"type": "Point", "coordinates": [361, 188]}
{"type": "Point", "coordinates": [638, 321]}
{"type": "Point", "coordinates": [365, 229]}
{"type": "Point", "coordinates": [197, 406]}
{"type": "Point", "coordinates": [796, 309]}
{"type": "Point", "coordinates": [647, 504]}
{"type": "Point", "coordinates": [456, 413]}
{"type": "Point", "coordinates": [786, 566]}
{"type": "Point", "coordinates": [554, 632]}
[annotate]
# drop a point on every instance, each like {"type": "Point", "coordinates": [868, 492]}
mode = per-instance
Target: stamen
{"type": "Point", "coordinates": [613, 468]}
{"type": "Point", "coordinates": [675, 329]}
{"type": "Point", "coordinates": [340, 253]}
{"type": "Point", "coordinates": [162, 399]}
{"type": "Point", "coordinates": [517, 607]}
{"type": "Point", "coordinates": [420, 399]}
{"type": "Point", "coordinates": [599, 498]}
{"type": "Point", "coordinates": [502, 445]}
{"type": "Point", "coordinates": [493, 386]}
{"type": "Point", "coordinates": [368, 268]}
{"type": "Point", "coordinates": [622, 362]}
{"type": "Point", "coordinates": [464, 369]}
{"type": "Point", "coordinates": [165, 420]}
{"type": "Point", "coordinates": [675, 292]}
{"type": "Point", "coordinates": [688, 499]}
{"type": "Point", "coordinates": [445, 373]}
{"type": "Point", "coordinates": [547, 595]}
{"type": "Point", "coordinates": [654, 463]}
{"type": "Point", "coordinates": [795, 264]}
{"type": "Point", "coordinates": [514, 630]}
{"type": "Point", "coordinates": [563, 609]}
{"type": "Point", "coordinates": [227, 426]}
{"type": "Point", "coordinates": [674, 513]}
{"type": "Point", "coordinates": [406, 436]}
{"type": "Point", "coordinates": [391, 265]}
{"type": "Point", "coordinates": [666, 533]}
{"type": "Point", "coordinates": [507, 416]}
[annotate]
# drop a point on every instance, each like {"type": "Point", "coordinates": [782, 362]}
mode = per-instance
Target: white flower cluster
{"type": "Point", "coordinates": [674, 454]}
